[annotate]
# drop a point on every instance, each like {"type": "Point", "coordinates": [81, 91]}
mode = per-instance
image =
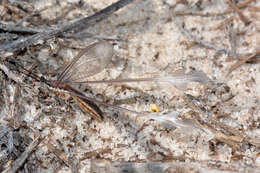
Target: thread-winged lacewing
{"type": "Point", "coordinates": [92, 60]}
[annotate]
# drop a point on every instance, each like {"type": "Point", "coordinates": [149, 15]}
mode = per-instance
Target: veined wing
{"type": "Point", "coordinates": [88, 62]}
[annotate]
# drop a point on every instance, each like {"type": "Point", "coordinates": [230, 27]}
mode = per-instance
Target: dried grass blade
{"type": "Point", "coordinates": [238, 64]}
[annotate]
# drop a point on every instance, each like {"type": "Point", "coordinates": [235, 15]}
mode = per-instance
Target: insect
{"type": "Point", "coordinates": [89, 61]}
{"type": "Point", "coordinates": [92, 60]}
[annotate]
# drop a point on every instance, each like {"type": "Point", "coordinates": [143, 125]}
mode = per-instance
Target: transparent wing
{"type": "Point", "coordinates": [179, 79]}
{"type": "Point", "coordinates": [88, 62]}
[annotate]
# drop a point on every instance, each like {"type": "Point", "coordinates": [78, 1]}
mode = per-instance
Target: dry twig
{"type": "Point", "coordinates": [62, 156]}
{"type": "Point", "coordinates": [242, 4]}
{"type": "Point", "coordinates": [254, 9]}
{"type": "Point", "coordinates": [10, 75]}
{"type": "Point", "coordinates": [221, 24]}
{"type": "Point", "coordinates": [75, 27]}
{"type": "Point", "coordinates": [255, 59]}
{"type": "Point", "coordinates": [240, 14]}
{"type": "Point", "coordinates": [231, 136]}
{"type": "Point", "coordinates": [20, 161]}
{"type": "Point", "coordinates": [19, 29]}
{"type": "Point", "coordinates": [243, 61]}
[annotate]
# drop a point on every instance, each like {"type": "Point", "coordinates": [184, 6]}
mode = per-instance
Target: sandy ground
{"type": "Point", "coordinates": [155, 46]}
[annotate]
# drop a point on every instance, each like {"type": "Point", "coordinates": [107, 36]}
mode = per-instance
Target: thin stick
{"type": "Point", "coordinates": [242, 4]}
{"type": "Point", "coordinates": [238, 64]}
{"type": "Point", "coordinates": [241, 58]}
{"type": "Point", "coordinates": [197, 13]}
{"type": "Point", "coordinates": [240, 14]}
{"type": "Point", "coordinates": [10, 74]}
{"type": "Point", "coordinates": [19, 29]}
{"type": "Point", "coordinates": [58, 153]}
{"type": "Point", "coordinates": [20, 161]}
{"type": "Point", "coordinates": [253, 9]}
{"type": "Point", "coordinates": [13, 31]}
{"type": "Point", "coordinates": [76, 26]}
{"type": "Point", "coordinates": [234, 137]}
{"type": "Point", "coordinates": [218, 135]}
{"type": "Point", "coordinates": [222, 23]}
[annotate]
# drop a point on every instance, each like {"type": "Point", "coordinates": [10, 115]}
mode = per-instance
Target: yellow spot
{"type": "Point", "coordinates": [154, 108]}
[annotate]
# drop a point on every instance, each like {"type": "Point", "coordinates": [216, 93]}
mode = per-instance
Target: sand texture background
{"type": "Point", "coordinates": [150, 38]}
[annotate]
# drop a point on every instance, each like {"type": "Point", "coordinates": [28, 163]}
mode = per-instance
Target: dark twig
{"type": "Point", "coordinates": [19, 29]}
{"type": "Point", "coordinates": [75, 27]}
{"type": "Point", "coordinates": [20, 161]}
{"type": "Point", "coordinates": [11, 31]}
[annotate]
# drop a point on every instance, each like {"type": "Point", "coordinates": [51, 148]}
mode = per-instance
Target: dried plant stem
{"type": "Point", "coordinates": [20, 161]}
{"type": "Point", "coordinates": [240, 14]}
{"type": "Point", "coordinates": [197, 13]}
{"type": "Point", "coordinates": [10, 74]}
{"type": "Point", "coordinates": [219, 136]}
{"type": "Point", "coordinates": [242, 4]}
{"type": "Point", "coordinates": [19, 29]}
{"type": "Point", "coordinates": [253, 9]}
{"type": "Point", "coordinates": [241, 58]}
{"type": "Point", "coordinates": [76, 26]}
{"type": "Point", "coordinates": [221, 24]}
{"type": "Point", "coordinates": [232, 137]}
{"type": "Point", "coordinates": [241, 62]}
{"type": "Point", "coordinates": [58, 153]}
{"type": "Point", "coordinates": [62, 156]}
